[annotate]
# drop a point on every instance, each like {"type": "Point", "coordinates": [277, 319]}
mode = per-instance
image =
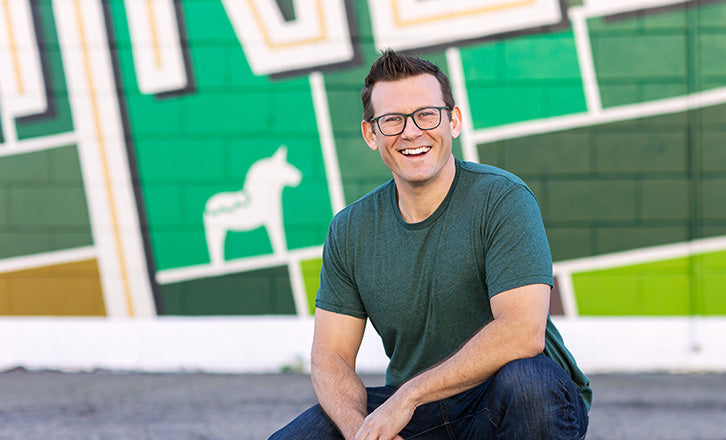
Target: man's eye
{"type": "Point", "coordinates": [391, 119]}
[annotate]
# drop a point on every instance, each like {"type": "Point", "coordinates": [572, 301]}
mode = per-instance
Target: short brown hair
{"type": "Point", "coordinates": [392, 66]}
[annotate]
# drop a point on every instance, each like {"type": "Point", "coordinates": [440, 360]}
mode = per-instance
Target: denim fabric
{"type": "Point", "coordinates": [527, 399]}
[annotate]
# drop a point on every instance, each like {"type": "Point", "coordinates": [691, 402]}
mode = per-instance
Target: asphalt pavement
{"type": "Point", "coordinates": [114, 406]}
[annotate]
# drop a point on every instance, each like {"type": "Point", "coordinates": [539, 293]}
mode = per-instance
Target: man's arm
{"type": "Point", "coordinates": [517, 332]}
{"type": "Point", "coordinates": [338, 388]}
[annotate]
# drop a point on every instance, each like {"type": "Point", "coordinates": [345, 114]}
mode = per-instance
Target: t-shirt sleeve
{"type": "Point", "coordinates": [516, 249]}
{"type": "Point", "coordinates": [338, 292]}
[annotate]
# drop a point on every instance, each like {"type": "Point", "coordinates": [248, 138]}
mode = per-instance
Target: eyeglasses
{"type": "Point", "coordinates": [426, 118]}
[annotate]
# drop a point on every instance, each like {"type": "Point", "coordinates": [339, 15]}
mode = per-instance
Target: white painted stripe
{"type": "Point", "coordinates": [597, 8]}
{"type": "Point", "coordinates": [643, 255]}
{"type": "Point", "coordinates": [267, 344]}
{"type": "Point", "coordinates": [327, 141]}
{"type": "Point", "coordinates": [156, 45]}
{"type": "Point", "coordinates": [169, 276]}
{"type": "Point", "coordinates": [567, 293]}
{"type": "Point", "coordinates": [607, 115]}
{"type": "Point", "coordinates": [297, 283]}
{"type": "Point", "coordinates": [35, 144]}
{"type": "Point", "coordinates": [458, 86]}
{"type": "Point", "coordinates": [585, 59]}
{"type": "Point", "coordinates": [104, 160]}
{"type": "Point", "coordinates": [45, 259]}
{"type": "Point", "coordinates": [22, 87]}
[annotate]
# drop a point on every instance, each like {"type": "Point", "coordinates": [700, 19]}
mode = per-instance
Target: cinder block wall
{"type": "Point", "coordinates": [638, 170]}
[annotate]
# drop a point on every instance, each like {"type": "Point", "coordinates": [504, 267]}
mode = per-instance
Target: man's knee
{"type": "Point", "coordinates": [530, 377]}
{"type": "Point", "coordinates": [541, 392]}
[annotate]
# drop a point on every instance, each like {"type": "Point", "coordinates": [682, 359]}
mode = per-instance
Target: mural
{"type": "Point", "coordinates": [184, 157]}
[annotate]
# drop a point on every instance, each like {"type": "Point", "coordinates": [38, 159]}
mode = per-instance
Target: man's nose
{"type": "Point", "coordinates": [410, 129]}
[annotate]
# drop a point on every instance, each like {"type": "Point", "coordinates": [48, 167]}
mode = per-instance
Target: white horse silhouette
{"type": "Point", "coordinates": [259, 203]}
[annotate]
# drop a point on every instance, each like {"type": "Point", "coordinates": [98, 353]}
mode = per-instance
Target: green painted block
{"type": "Point", "coordinates": [166, 206]}
{"type": "Point", "coordinates": [621, 238]}
{"type": "Point", "coordinates": [42, 202]}
{"type": "Point", "coordinates": [664, 294]}
{"type": "Point", "coordinates": [25, 168]}
{"type": "Point", "coordinates": [714, 198]}
{"type": "Point", "coordinates": [523, 78]}
{"type": "Point", "coordinates": [567, 243]}
{"type": "Point", "coordinates": [665, 199]}
{"type": "Point", "coordinates": [641, 152]}
{"type": "Point", "coordinates": [712, 16]}
{"type": "Point", "coordinates": [649, 57]}
{"type": "Point", "coordinates": [4, 206]}
{"type": "Point", "coordinates": [606, 294]}
{"type": "Point", "coordinates": [592, 200]}
{"type": "Point", "coordinates": [15, 242]}
{"type": "Point", "coordinates": [262, 292]}
{"type": "Point", "coordinates": [563, 153]}
{"type": "Point", "coordinates": [711, 59]}
{"type": "Point", "coordinates": [183, 160]}
{"type": "Point", "coordinates": [49, 206]}
{"type": "Point", "coordinates": [164, 123]}
{"type": "Point", "coordinates": [676, 287]}
{"type": "Point", "coordinates": [311, 275]}
{"type": "Point", "coordinates": [65, 165]}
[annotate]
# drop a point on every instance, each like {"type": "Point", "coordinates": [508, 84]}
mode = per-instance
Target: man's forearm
{"type": "Point", "coordinates": [340, 391]}
{"type": "Point", "coordinates": [496, 344]}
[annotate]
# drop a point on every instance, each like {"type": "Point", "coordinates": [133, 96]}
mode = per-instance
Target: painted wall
{"type": "Point", "coordinates": [184, 157]}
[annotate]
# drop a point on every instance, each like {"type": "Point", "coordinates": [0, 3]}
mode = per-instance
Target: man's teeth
{"type": "Point", "coordinates": [415, 151]}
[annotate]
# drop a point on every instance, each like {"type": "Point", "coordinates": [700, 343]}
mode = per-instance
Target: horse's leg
{"type": "Point", "coordinates": [276, 232]}
{"type": "Point", "coordinates": [215, 233]}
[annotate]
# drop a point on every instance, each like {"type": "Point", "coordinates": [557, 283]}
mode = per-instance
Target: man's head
{"type": "Point", "coordinates": [392, 66]}
{"type": "Point", "coordinates": [418, 152]}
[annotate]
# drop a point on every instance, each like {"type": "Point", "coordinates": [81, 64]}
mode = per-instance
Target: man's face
{"type": "Point", "coordinates": [416, 157]}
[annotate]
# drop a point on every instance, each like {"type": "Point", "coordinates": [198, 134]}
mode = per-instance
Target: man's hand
{"type": "Point", "coordinates": [387, 420]}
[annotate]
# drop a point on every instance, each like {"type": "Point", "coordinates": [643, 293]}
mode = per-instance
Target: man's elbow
{"type": "Point", "coordinates": [532, 343]}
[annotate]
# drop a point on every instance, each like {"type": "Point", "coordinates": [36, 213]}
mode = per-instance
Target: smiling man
{"type": "Point", "coordinates": [450, 262]}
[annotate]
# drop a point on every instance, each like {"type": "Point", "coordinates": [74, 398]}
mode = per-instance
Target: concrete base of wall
{"type": "Point", "coordinates": [274, 344]}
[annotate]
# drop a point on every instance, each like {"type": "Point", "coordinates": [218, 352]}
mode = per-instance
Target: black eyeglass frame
{"type": "Point", "coordinates": [405, 119]}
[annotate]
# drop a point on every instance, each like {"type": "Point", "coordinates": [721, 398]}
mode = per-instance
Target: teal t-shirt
{"type": "Point", "coordinates": [426, 286]}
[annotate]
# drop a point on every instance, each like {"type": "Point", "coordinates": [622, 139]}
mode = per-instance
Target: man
{"type": "Point", "coordinates": [451, 264]}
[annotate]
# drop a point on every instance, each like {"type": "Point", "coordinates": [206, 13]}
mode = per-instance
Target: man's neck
{"type": "Point", "coordinates": [417, 202]}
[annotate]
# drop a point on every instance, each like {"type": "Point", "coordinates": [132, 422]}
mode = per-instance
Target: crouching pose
{"type": "Point", "coordinates": [450, 262]}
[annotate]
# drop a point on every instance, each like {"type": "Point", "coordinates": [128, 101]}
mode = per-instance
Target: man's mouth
{"type": "Point", "coordinates": [420, 151]}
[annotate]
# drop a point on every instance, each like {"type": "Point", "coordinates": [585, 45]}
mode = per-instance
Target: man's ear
{"type": "Point", "coordinates": [455, 122]}
{"type": "Point", "coordinates": [367, 129]}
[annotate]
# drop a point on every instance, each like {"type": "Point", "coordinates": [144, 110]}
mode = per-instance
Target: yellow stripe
{"type": "Point", "coordinates": [104, 160]}
{"type": "Point", "coordinates": [402, 23]}
{"type": "Point", "coordinates": [154, 33]}
{"type": "Point", "coordinates": [322, 36]}
{"type": "Point", "coordinates": [13, 47]}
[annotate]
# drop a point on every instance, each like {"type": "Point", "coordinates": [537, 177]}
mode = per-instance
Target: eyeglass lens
{"type": "Point", "coordinates": [426, 118]}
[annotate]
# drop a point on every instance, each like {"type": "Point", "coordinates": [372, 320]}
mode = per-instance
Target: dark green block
{"type": "Point", "coordinates": [65, 165]}
{"type": "Point", "coordinates": [665, 199]}
{"type": "Point", "coordinates": [569, 242]}
{"type": "Point", "coordinates": [641, 152]}
{"type": "Point", "coordinates": [616, 239]}
{"type": "Point", "coordinates": [714, 150]}
{"type": "Point", "coordinates": [24, 168]}
{"type": "Point", "coordinates": [262, 292]}
{"type": "Point", "coordinates": [714, 198]}
{"type": "Point", "coordinates": [16, 242]}
{"type": "Point", "coordinates": [49, 206]}
{"type": "Point", "coordinates": [592, 200]}
{"type": "Point", "coordinates": [561, 153]}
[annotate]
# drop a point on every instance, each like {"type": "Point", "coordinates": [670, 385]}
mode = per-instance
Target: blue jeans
{"type": "Point", "coordinates": [527, 399]}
